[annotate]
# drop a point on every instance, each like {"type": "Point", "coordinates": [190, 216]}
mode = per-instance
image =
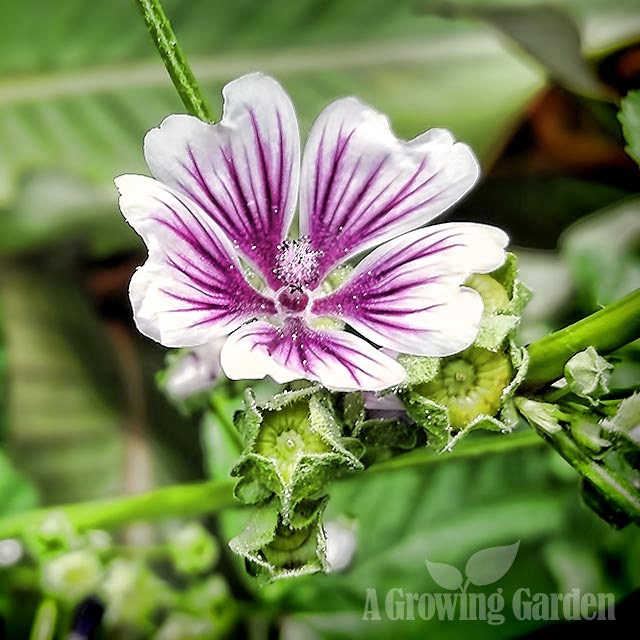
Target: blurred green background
{"type": "Point", "coordinates": [532, 88]}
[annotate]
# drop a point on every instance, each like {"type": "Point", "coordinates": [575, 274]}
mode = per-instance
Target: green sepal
{"type": "Point", "coordinates": [274, 550]}
{"type": "Point", "coordinates": [587, 374]}
{"type": "Point", "coordinates": [420, 370]}
{"type": "Point", "coordinates": [503, 311]}
{"type": "Point", "coordinates": [293, 449]}
{"type": "Point", "coordinates": [375, 432]}
{"type": "Point", "coordinates": [623, 429]}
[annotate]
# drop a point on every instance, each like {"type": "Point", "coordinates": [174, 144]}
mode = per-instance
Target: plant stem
{"type": "Point", "coordinates": [191, 500]}
{"type": "Point", "coordinates": [616, 489]}
{"type": "Point", "coordinates": [606, 330]}
{"type": "Point", "coordinates": [187, 500]}
{"type": "Point", "coordinates": [218, 410]}
{"type": "Point", "coordinates": [469, 449]}
{"type": "Point", "coordinates": [44, 624]}
{"type": "Point", "coordinates": [174, 59]}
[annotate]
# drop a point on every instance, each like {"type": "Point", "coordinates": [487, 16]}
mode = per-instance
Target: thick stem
{"type": "Point", "coordinates": [606, 330]}
{"type": "Point", "coordinates": [174, 59]}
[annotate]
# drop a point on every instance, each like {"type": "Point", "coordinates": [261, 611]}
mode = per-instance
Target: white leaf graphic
{"type": "Point", "coordinates": [445, 575]}
{"type": "Point", "coordinates": [489, 565]}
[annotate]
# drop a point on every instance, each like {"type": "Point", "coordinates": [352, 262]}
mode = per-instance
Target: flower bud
{"type": "Point", "coordinates": [71, 576]}
{"type": "Point", "coordinates": [193, 549]}
{"type": "Point", "coordinates": [293, 449]}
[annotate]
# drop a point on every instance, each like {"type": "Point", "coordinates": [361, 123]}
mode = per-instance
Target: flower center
{"type": "Point", "coordinates": [297, 262]}
{"type": "Point", "coordinates": [293, 299]}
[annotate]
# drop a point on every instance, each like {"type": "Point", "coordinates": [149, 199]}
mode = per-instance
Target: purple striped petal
{"type": "Point", "coordinates": [407, 295]}
{"type": "Point", "coordinates": [243, 172]}
{"type": "Point", "coordinates": [360, 185]}
{"type": "Point", "coordinates": [336, 359]}
{"type": "Point", "coordinates": [191, 288]}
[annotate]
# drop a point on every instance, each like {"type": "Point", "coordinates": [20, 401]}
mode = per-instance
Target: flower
{"type": "Point", "coordinates": [215, 219]}
{"type": "Point", "coordinates": [194, 371]}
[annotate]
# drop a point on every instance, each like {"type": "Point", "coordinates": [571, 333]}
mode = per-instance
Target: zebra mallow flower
{"type": "Point", "coordinates": [215, 219]}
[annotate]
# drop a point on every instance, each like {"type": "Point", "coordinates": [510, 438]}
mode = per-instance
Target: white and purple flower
{"type": "Point", "coordinates": [223, 201]}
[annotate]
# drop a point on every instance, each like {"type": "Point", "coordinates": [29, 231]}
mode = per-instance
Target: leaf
{"type": "Point", "coordinates": [629, 117]}
{"type": "Point", "coordinates": [601, 251]}
{"type": "Point", "coordinates": [548, 34]}
{"type": "Point", "coordinates": [64, 411]}
{"type": "Point", "coordinates": [489, 565]}
{"type": "Point", "coordinates": [75, 103]}
{"type": "Point", "coordinates": [444, 575]}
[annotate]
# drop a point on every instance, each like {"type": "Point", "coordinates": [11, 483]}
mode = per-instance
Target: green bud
{"type": "Point", "coordinates": [469, 385]}
{"type": "Point", "coordinates": [133, 593]}
{"type": "Point", "coordinates": [494, 295]}
{"type": "Point", "coordinates": [71, 576]}
{"type": "Point", "coordinates": [274, 550]}
{"type": "Point", "coordinates": [471, 390]}
{"type": "Point", "coordinates": [504, 298]}
{"type": "Point", "coordinates": [624, 429]}
{"type": "Point", "coordinates": [543, 414]}
{"type": "Point", "coordinates": [293, 449]}
{"type": "Point", "coordinates": [193, 549]}
{"type": "Point", "coordinates": [588, 374]}
{"type": "Point", "coordinates": [53, 536]}
{"type": "Point", "coordinates": [211, 598]}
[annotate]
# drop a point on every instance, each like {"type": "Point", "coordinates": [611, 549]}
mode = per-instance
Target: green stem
{"type": "Point", "coordinates": [174, 59]}
{"type": "Point", "coordinates": [469, 449]}
{"type": "Point", "coordinates": [191, 500]}
{"type": "Point", "coordinates": [187, 500]}
{"type": "Point", "coordinates": [44, 623]}
{"type": "Point", "coordinates": [616, 489]}
{"type": "Point", "coordinates": [606, 330]}
{"type": "Point", "coordinates": [219, 410]}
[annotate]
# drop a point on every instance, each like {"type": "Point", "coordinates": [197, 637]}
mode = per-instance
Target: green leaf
{"type": "Point", "coordinates": [64, 404]}
{"type": "Point", "coordinates": [16, 492]}
{"type": "Point", "coordinates": [629, 117]}
{"type": "Point", "coordinates": [545, 32]}
{"type": "Point", "coordinates": [602, 251]}
{"type": "Point", "coordinates": [75, 103]}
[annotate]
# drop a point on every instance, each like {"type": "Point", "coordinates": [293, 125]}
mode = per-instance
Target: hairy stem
{"type": "Point", "coordinates": [613, 486]}
{"type": "Point", "coordinates": [606, 330]}
{"type": "Point", "coordinates": [174, 59]}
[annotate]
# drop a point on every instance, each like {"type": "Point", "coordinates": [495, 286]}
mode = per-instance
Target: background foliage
{"type": "Point", "coordinates": [534, 89]}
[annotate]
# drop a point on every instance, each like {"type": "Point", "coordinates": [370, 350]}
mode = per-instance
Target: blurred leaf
{"type": "Point", "coordinates": [603, 252]}
{"type": "Point", "coordinates": [547, 33]}
{"type": "Point", "coordinates": [64, 417]}
{"type": "Point", "coordinates": [630, 119]}
{"type": "Point", "coordinates": [16, 492]}
{"type": "Point", "coordinates": [450, 512]}
{"type": "Point", "coordinates": [76, 100]}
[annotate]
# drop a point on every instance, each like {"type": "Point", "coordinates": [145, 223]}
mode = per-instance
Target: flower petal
{"type": "Point", "coordinates": [407, 295]}
{"type": "Point", "coordinates": [360, 185]}
{"type": "Point", "coordinates": [192, 287]}
{"type": "Point", "coordinates": [244, 171]}
{"type": "Point", "coordinates": [335, 359]}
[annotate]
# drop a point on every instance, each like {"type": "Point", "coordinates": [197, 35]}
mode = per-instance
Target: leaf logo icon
{"type": "Point", "coordinates": [489, 565]}
{"type": "Point", "coordinates": [445, 575]}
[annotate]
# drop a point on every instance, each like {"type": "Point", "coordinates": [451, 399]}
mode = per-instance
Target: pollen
{"type": "Point", "coordinates": [297, 262]}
